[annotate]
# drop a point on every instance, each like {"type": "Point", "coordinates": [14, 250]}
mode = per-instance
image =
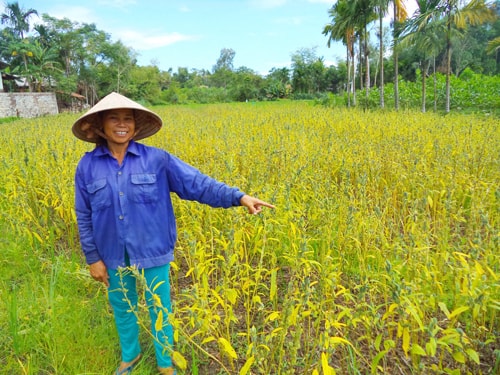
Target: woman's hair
{"type": "Point", "coordinates": [99, 124]}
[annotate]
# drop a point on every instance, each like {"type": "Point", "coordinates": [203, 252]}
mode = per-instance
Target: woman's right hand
{"type": "Point", "coordinates": [99, 272]}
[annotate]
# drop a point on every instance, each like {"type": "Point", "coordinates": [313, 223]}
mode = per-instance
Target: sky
{"type": "Point", "coordinates": [264, 34]}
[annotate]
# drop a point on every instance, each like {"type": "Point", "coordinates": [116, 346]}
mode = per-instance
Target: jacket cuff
{"type": "Point", "coordinates": [237, 197]}
{"type": "Point", "coordinates": [92, 257]}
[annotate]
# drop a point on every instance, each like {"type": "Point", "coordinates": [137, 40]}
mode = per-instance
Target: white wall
{"type": "Point", "coordinates": [28, 104]}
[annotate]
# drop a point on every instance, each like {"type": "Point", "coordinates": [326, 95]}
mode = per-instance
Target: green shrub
{"type": "Point", "coordinates": [471, 92]}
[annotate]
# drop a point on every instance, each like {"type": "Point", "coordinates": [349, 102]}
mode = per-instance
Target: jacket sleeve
{"type": "Point", "coordinates": [84, 219]}
{"type": "Point", "coordinates": [190, 184]}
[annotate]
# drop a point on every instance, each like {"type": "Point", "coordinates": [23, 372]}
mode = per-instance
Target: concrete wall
{"type": "Point", "coordinates": [28, 104]}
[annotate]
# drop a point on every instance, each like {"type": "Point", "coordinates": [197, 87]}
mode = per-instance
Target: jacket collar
{"type": "Point", "coordinates": [133, 149]}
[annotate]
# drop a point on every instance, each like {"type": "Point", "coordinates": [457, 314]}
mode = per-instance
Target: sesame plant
{"type": "Point", "coordinates": [381, 257]}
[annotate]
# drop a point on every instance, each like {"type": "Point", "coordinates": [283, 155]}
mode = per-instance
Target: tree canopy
{"type": "Point", "coordinates": [43, 53]}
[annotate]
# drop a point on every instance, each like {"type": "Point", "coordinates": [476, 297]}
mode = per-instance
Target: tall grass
{"type": "Point", "coordinates": [382, 256]}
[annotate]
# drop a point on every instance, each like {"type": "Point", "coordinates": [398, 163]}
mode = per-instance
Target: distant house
{"type": "Point", "coordinates": [14, 82]}
{"type": "Point", "coordinates": [2, 67]}
{"type": "Point", "coordinates": [71, 102]}
{"type": "Point", "coordinates": [78, 102]}
{"type": "Point", "coordinates": [21, 84]}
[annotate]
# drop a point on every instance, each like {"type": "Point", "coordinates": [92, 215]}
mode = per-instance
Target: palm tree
{"type": "Point", "coordinates": [67, 36]}
{"type": "Point", "coordinates": [422, 32]}
{"type": "Point", "coordinates": [476, 12]}
{"type": "Point", "coordinates": [399, 16]}
{"type": "Point", "coordinates": [493, 45]}
{"type": "Point", "coordinates": [351, 18]}
{"type": "Point", "coordinates": [45, 36]}
{"type": "Point", "coordinates": [18, 20]}
{"type": "Point", "coordinates": [341, 29]}
{"type": "Point", "coordinates": [381, 8]}
{"type": "Point", "coordinates": [362, 13]}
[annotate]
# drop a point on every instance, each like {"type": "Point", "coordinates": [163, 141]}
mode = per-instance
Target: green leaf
{"type": "Point", "coordinates": [431, 347]}
{"type": "Point", "coordinates": [459, 357]}
{"type": "Point", "coordinates": [417, 350]}
{"type": "Point", "coordinates": [458, 311]}
{"type": "Point", "coordinates": [273, 288]}
{"type": "Point", "coordinates": [376, 360]}
{"type": "Point", "coordinates": [444, 309]}
{"type": "Point", "coordinates": [377, 342]}
{"type": "Point", "coordinates": [389, 344]}
{"type": "Point", "coordinates": [473, 355]}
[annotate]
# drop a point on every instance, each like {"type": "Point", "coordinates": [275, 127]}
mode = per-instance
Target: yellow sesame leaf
{"type": "Point", "coordinates": [228, 349]}
{"type": "Point", "coordinates": [179, 360]}
{"type": "Point", "coordinates": [158, 285]}
{"type": "Point", "coordinates": [327, 369]}
{"type": "Point", "coordinates": [246, 367]}
{"type": "Point", "coordinates": [159, 321]}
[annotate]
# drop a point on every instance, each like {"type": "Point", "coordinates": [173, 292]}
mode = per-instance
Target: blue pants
{"type": "Point", "coordinates": [122, 294]}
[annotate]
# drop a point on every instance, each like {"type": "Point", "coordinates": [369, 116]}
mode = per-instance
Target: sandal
{"type": "Point", "coordinates": [128, 370]}
{"type": "Point", "coordinates": [167, 371]}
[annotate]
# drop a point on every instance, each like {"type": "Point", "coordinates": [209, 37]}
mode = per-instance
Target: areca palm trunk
{"type": "Point", "coordinates": [348, 77]}
{"type": "Point", "coordinates": [395, 58]}
{"type": "Point", "coordinates": [353, 63]}
{"type": "Point", "coordinates": [425, 69]}
{"type": "Point", "coordinates": [435, 82]}
{"type": "Point", "coordinates": [423, 91]}
{"type": "Point", "coordinates": [367, 66]}
{"type": "Point", "coordinates": [448, 61]}
{"type": "Point", "coordinates": [382, 103]}
{"type": "Point", "coordinates": [28, 78]}
{"type": "Point", "coordinates": [360, 63]}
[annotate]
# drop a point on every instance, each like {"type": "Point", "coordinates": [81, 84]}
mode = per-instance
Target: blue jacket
{"type": "Point", "coordinates": [129, 206]}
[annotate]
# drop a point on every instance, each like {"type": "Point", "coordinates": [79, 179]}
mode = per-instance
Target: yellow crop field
{"type": "Point", "coordinates": [382, 256]}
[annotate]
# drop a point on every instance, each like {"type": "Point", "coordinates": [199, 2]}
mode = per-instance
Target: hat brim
{"type": "Point", "coordinates": [147, 122]}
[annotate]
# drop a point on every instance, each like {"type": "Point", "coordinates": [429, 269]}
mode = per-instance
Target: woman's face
{"type": "Point", "coordinates": [119, 125]}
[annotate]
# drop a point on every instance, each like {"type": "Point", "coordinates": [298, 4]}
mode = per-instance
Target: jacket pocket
{"type": "Point", "coordinates": [144, 188]}
{"type": "Point", "coordinates": [98, 194]}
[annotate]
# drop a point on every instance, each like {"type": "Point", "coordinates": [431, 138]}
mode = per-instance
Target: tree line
{"type": "Point", "coordinates": [43, 53]}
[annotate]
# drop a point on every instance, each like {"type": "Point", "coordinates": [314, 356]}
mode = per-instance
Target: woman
{"type": "Point", "coordinates": [125, 215]}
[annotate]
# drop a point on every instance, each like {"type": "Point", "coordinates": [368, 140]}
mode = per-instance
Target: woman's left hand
{"type": "Point", "coordinates": [99, 272]}
{"type": "Point", "coordinates": [254, 205]}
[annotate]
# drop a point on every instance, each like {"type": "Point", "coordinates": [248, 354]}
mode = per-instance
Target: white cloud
{"type": "Point", "coordinates": [267, 3]}
{"type": "Point", "coordinates": [329, 63]}
{"type": "Point", "coordinates": [75, 13]}
{"type": "Point", "coordinates": [292, 21]}
{"type": "Point", "coordinates": [142, 41]}
{"type": "Point", "coordinates": [121, 4]}
{"type": "Point", "coordinates": [329, 2]}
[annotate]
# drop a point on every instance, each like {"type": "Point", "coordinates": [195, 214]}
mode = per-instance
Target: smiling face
{"type": "Point", "coordinates": [119, 126]}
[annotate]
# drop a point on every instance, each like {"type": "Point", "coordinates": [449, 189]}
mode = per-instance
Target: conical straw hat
{"type": "Point", "coordinates": [147, 122]}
